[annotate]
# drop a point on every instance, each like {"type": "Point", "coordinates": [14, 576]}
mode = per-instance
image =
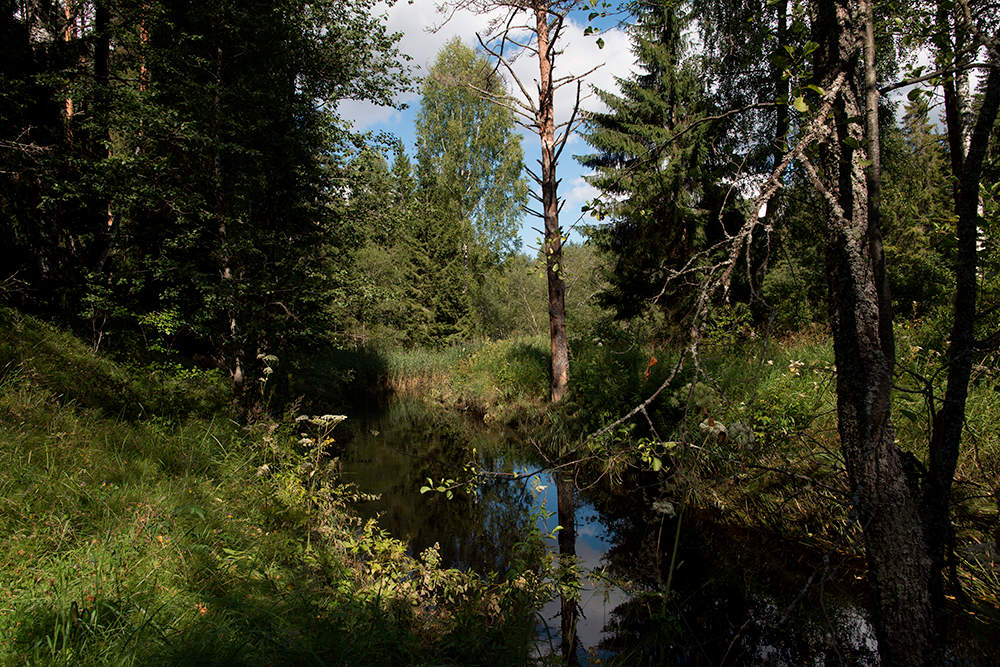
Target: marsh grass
{"type": "Point", "coordinates": [129, 536]}
{"type": "Point", "coordinates": [776, 464]}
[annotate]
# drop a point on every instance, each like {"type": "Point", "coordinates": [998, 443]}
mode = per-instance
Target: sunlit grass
{"type": "Point", "coordinates": [129, 536]}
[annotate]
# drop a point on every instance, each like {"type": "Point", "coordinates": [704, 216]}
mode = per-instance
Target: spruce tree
{"type": "Point", "coordinates": [652, 176]}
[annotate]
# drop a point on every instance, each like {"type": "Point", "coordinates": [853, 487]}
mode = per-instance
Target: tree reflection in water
{"type": "Point", "coordinates": [565, 494]}
{"type": "Point", "coordinates": [733, 589]}
{"type": "Point", "coordinates": [392, 454]}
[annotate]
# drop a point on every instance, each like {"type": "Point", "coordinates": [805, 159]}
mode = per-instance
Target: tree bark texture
{"type": "Point", "coordinates": [949, 419]}
{"type": "Point", "coordinates": [545, 118]}
{"type": "Point", "coordinates": [886, 506]}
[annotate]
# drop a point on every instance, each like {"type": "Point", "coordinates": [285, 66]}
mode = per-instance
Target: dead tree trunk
{"type": "Point", "coordinates": [545, 118]}
{"type": "Point", "coordinates": [535, 111]}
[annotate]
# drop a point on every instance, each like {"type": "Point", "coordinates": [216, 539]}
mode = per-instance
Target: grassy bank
{"type": "Point", "coordinates": [759, 420]}
{"type": "Point", "coordinates": [140, 525]}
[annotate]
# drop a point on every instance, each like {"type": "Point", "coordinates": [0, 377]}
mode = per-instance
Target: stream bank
{"type": "Point", "coordinates": [738, 596]}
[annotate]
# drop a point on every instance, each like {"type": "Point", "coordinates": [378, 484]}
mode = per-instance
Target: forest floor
{"type": "Point", "coordinates": [140, 524]}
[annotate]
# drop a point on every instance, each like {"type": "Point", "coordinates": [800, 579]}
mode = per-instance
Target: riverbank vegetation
{"type": "Point", "coordinates": [142, 525]}
{"type": "Point", "coordinates": [781, 311]}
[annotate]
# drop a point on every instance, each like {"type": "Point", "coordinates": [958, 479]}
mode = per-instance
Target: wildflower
{"type": "Point", "coordinates": [328, 420]}
{"type": "Point", "coordinates": [202, 608]}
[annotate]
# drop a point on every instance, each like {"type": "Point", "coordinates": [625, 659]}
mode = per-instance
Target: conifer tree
{"type": "Point", "coordinates": [652, 180]}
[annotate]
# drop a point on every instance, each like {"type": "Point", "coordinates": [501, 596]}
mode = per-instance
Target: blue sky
{"type": "Point", "coordinates": [581, 53]}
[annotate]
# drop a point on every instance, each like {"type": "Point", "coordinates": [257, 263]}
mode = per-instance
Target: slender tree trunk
{"type": "Point", "coordinates": [232, 352]}
{"type": "Point", "coordinates": [107, 227]}
{"type": "Point", "coordinates": [952, 92]}
{"type": "Point", "coordinates": [946, 435]}
{"type": "Point", "coordinates": [781, 89]}
{"type": "Point", "coordinates": [69, 34]}
{"type": "Point", "coordinates": [863, 348]}
{"type": "Point", "coordinates": [550, 208]}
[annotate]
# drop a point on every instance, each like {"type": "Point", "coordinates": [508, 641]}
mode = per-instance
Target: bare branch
{"type": "Point", "coordinates": [561, 143]}
{"type": "Point", "coordinates": [524, 91]}
{"type": "Point", "coordinates": [933, 75]}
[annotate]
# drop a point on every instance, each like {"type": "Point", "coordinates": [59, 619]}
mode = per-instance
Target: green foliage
{"type": "Point", "coordinates": [507, 371]}
{"type": "Point", "coordinates": [429, 256]}
{"type": "Point", "coordinates": [918, 215]}
{"type": "Point", "coordinates": [652, 182]}
{"type": "Point", "coordinates": [514, 302]}
{"type": "Point", "coordinates": [40, 356]}
{"type": "Point", "coordinates": [468, 152]}
{"type": "Point", "coordinates": [181, 207]}
{"type": "Point", "coordinates": [200, 541]}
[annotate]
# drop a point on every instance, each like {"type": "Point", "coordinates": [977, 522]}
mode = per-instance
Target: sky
{"type": "Point", "coordinates": [581, 53]}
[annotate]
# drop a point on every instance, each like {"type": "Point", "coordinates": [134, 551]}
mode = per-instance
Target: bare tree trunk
{"type": "Point", "coordinates": [898, 564]}
{"type": "Point", "coordinates": [545, 115]}
{"type": "Point", "coordinates": [69, 34]}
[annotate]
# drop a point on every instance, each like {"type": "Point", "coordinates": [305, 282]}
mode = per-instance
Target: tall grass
{"type": "Point", "coordinates": [175, 536]}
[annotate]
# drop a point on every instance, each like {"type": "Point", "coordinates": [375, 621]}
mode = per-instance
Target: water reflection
{"type": "Point", "coordinates": [392, 454]}
{"type": "Point", "coordinates": [736, 597]}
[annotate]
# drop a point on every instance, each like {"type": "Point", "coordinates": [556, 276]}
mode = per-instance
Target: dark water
{"type": "Point", "coordinates": [736, 598]}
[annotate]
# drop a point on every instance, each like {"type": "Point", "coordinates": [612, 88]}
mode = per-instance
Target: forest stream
{"type": "Point", "coordinates": [738, 597]}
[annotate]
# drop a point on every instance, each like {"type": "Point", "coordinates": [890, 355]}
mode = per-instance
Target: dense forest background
{"type": "Point", "coordinates": [178, 189]}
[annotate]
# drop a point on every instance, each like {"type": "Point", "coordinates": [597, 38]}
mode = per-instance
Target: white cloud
{"type": "Point", "coordinates": [580, 192]}
{"type": "Point", "coordinates": [414, 22]}
{"type": "Point", "coordinates": [580, 54]}
{"type": "Point", "coordinates": [363, 115]}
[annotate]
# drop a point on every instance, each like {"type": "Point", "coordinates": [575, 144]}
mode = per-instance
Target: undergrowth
{"type": "Point", "coordinates": [758, 422]}
{"type": "Point", "coordinates": [140, 525]}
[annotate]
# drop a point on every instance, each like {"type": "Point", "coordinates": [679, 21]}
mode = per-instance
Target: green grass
{"type": "Point", "coordinates": [140, 525]}
{"type": "Point", "coordinates": [778, 466]}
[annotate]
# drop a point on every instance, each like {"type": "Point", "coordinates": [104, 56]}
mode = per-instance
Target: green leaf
{"type": "Point", "coordinates": [818, 90]}
{"type": "Point", "coordinates": [800, 104]}
{"type": "Point", "coordinates": [657, 464]}
{"type": "Point", "coordinates": [424, 489]}
{"type": "Point", "coordinates": [600, 43]}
